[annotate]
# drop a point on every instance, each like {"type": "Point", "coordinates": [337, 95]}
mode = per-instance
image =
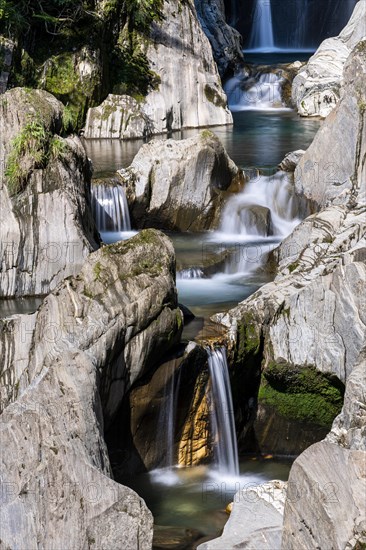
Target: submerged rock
{"type": "Point", "coordinates": [46, 227]}
{"type": "Point", "coordinates": [62, 382]}
{"type": "Point", "coordinates": [179, 185]}
{"type": "Point", "coordinates": [317, 88]}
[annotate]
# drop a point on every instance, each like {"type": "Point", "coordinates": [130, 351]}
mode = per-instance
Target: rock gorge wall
{"type": "Point", "coordinates": [226, 42]}
{"type": "Point", "coordinates": [150, 72]}
{"type": "Point", "coordinates": [188, 93]}
{"type": "Point", "coordinates": [64, 372]}
{"type": "Point", "coordinates": [46, 227]}
{"type": "Point", "coordinates": [307, 329]}
{"type": "Point", "coordinates": [318, 86]}
{"type": "Point", "coordinates": [156, 426]}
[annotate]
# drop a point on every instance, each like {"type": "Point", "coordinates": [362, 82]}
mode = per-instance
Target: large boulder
{"type": "Point", "coordinates": [226, 42]}
{"type": "Point", "coordinates": [188, 93]}
{"type": "Point", "coordinates": [179, 185]}
{"type": "Point", "coordinates": [317, 88]}
{"type": "Point", "coordinates": [46, 227]}
{"type": "Point", "coordinates": [64, 373]}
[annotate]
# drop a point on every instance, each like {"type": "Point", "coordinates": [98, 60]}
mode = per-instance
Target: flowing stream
{"type": "Point", "coordinates": [215, 271]}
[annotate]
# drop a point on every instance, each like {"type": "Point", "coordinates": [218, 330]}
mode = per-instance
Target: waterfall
{"type": "Point", "coordinates": [110, 208]}
{"type": "Point", "coordinates": [261, 38]}
{"type": "Point", "coordinates": [266, 207]}
{"type": "Point", "coordinates": [266, 211]}
{"type": "Point", "coordinates": [167, 415]}
{"type": "Point", "coordinates": [190, 273]}
{"type": "Point", "coordinates": [259, 92]}
{"type": "Point", "coordinates": [222, 414]}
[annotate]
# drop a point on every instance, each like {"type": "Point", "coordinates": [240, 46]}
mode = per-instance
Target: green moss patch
{"type": "Point", "coordinates": [302, 393]}
{"type": "Point", "coordinates": [214, 97]}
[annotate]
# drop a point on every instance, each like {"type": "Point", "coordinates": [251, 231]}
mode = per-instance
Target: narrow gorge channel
{"type": "Point", "coordinates": [182, 274]}
{"type": "Point", "coordinates": [215, 271]}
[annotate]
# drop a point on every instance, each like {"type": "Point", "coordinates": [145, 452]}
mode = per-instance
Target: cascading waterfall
{"type": "Point", "coordinates": [266, 207]}
{"type": "Point", "coordinates": [289, 25]}
{"type": "Point", "coordinates": [264, 212]}
{"type": "Point", "coordinates": [110, 208]}
{"type": "Point", "coordinates": [259, 92]}
{"type": "Point", "coordinates": [190, 273]}
{"type": "Point", "coordinates": [221, 414]}
{"type": "Point", "coordinates": [262, 38]}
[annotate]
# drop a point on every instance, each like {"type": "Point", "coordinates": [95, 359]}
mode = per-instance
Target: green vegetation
{"type": "Point", "coordinates": [214, 97]}
{"type": "Point", "coordinates": [302, 393]}
{"type": "Point", "coordinates": [248, 337]}
{"type": "Point", "coordinates": [81, 50]}
{"type": "Point", "coordinates": [32, 148]}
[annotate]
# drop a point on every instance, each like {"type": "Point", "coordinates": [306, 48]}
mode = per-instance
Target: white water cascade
{"type": "Point", "coordinates": [259, 92]}
{"type": "Point", "coordinates": [110, 208]}
{"type": "Point", "coordinates": [267, 207]}
{"type": "Point", "coordinates": [259, 217]}
{"type": "Point", "coordinates": [262, 38]}
{"type": "Point", "coordinates": [222, 414]}
{"type": "Point", "coordinates": [190, 273]}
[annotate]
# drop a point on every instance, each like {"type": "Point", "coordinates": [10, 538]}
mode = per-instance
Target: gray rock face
{"type": "Point", "coordinates": [226, 42]}
{"type": "Point", "coordinates": [330, 479]}
{"type": "Point", "coordinates": [329, 508]}
{"type": "Point", "coordinates": [179, 185]}
{"type": "Point", "coordinates": [119, 116]}
{"type": "Point", "coordinates": [92, 337]}
{"type": "Point", "coordinates": [349, 428]}
{"type": "Point", "coordinates": [255, 522]}
{"type": "Point", "coordinates": [189, 94]}
{"type": "Point", "coordinates": [317, 88]}
{"type": "Point", "coordinates": [332, 169]}
{"type": "Point", "coordinates": [46, 227]}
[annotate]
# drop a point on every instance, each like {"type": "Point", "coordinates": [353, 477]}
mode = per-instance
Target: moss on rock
{"type": "Point", "coordinates": [302, 393]}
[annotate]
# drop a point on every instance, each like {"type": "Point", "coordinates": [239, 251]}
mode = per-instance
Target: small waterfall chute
{"type": "Point", "coordinates": [267, 198]}
{"type": "Point", "coordinates": [262, 91]}
{"type": "Point", "coordinates": [110, 207]}
{"type": "Point", "coordinates": [219, 396]}
{"type": "Point", "coordinates": [266, 210]}
{"type": "Point", "coordinates": [190, 273]}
